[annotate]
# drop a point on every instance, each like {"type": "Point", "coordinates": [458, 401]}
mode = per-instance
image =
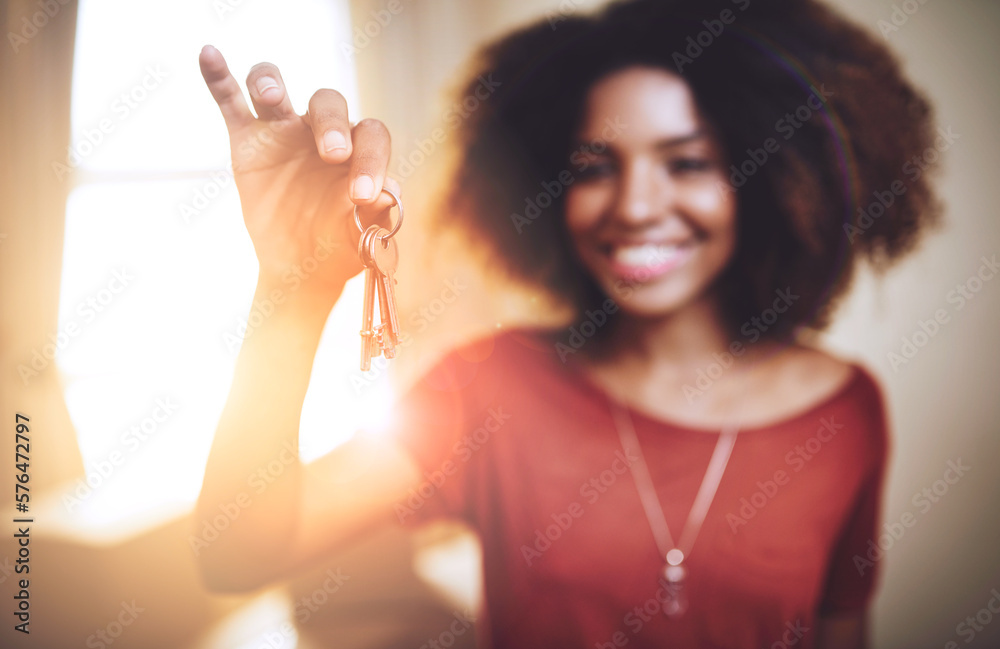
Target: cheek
{"type": "Point", "coordinates": [715, 211]}
{"type": "Point", "coordinates": [584, 206]}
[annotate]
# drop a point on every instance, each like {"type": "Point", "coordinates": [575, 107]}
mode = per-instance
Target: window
{"type": "Point", "coordinates": [158, 271]}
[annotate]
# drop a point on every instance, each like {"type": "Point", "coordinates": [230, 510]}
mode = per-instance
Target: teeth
{"type": "Point", "coordinates": [646, 255]}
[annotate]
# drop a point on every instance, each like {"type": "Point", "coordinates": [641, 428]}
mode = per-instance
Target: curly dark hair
{"type": "Point", "coordinates": [849, 183]}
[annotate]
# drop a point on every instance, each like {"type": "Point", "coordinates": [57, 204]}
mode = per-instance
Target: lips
{"type": "Point", "coordinates": [647, 261]}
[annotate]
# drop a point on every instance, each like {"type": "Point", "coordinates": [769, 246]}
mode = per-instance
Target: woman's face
{"type": "Point", "coordinates": [650, 214]}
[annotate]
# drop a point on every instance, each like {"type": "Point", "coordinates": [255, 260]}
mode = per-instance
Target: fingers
{"type": "Point", "coordinates": [378, 210]}
{"type": "Point", "coordinates": [267, 92]}
{"type": "Point", "coordinates": [392, 185]}
{"type": "Point", "coordinates": [327, 116]}
{"type": "Point", "coordinates": [224, 89]}
{"type": "Point", "coordinates": [367, 145]}
{"type": "Point", "coordinates": [371, 144]}
{"type": "Point", "coordinates": [384, 200]}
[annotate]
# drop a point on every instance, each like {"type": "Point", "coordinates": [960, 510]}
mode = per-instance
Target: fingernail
{"type": "Point", "coordinates": [334, 141]}
{"type": "Point", "coordinates": [266, 83]}
{"type": "Point", "coordinates": [364, 187]}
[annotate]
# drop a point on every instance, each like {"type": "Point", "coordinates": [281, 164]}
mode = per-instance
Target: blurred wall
{"type": "Point", "coordinates": [944, 400]}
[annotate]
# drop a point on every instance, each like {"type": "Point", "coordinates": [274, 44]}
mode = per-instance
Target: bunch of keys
{"type": "Point", "coordinates": [379, 254]}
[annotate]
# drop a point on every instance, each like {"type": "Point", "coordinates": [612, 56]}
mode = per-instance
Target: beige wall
{"type": "Point", "coordinates": [943, 402]}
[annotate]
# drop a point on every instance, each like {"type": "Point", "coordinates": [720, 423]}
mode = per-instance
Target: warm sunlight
{"type": "Point", "coordinates": [154, 240]}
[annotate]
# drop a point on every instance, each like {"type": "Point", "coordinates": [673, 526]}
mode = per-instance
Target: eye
{"type": "Point", "coordinates": [689, 164]}
{"type": "Point", "coordinates": [596, 170]}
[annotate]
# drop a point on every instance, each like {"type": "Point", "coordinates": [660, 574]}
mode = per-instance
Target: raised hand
{"type": "Point", "coordinates": [300, 176]}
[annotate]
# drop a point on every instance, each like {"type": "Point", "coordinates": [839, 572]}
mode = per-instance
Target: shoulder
{"type": "Point", "coordinates": [840, 389]}
{"type": "Point", "coordinates": [807, 375]}
{"type": "Point", "coordinates": [801, 379]}
{"type": "Point", "coordinates": [492, 359]}
{"type": "Point", "coordinates": [502, 348]}
{"type": "Point", "coordinates": [821, 370]}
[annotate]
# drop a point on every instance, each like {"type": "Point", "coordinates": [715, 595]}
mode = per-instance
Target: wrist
{"type": "Point", "coordinates": [284, 294]}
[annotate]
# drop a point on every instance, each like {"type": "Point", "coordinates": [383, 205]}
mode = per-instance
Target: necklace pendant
{"type": "Point", "coordinates": [675, 601]}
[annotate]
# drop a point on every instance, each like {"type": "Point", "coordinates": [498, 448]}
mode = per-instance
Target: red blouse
{"type": "Point", "coordinates": [525, 450]}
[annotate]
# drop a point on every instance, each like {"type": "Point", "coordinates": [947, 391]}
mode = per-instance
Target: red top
{"type": "Point", "coordinates": [525, 450]}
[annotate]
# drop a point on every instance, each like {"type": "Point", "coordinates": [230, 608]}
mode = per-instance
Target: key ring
{"type": "Point", "coordinates": [399, 222]}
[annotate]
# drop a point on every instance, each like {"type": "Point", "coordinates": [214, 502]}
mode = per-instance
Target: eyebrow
{"type": "Point", "coordinates": [586, 146]}
{"type": "Point", "coordinates": [684, 139]}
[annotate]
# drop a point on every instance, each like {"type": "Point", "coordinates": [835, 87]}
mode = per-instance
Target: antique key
{"type": "Point", "coordinates": [385, 334]}
{"type": "Point", "coordinates": [385, 257]}
{"type": "Point", "coordinates": [379, 255]}
{"type": "Point", "coordinates": [368, 309]}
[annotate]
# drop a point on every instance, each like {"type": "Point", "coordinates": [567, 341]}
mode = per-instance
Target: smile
{"type": "Point", "coordinates": [648, 261]}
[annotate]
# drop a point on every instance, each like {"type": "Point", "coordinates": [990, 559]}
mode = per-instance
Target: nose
{"type": "Point", "coordinates": [643, 196]}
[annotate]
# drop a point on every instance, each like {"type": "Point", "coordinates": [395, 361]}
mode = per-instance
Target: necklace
{"type": "Point", "coordinates": [674, 572]}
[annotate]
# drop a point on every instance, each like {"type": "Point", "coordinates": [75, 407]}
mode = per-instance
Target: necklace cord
{"type": "Point", "coordinates": [647, 490]}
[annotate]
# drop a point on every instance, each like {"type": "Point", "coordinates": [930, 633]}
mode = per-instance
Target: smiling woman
{"type": "Point", "coordinates": [644, 226]}
{"type": "Point", "coordinates": [766, 90]}
{"type": "Point", "coordinates": [666, 161]}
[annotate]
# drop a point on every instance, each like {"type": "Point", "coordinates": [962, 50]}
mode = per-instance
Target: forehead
{"type": "Point", "coordinates": [653, 104]}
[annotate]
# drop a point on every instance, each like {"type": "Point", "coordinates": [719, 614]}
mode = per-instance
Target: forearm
{"type": "Point", "coordinates": [259, 427]}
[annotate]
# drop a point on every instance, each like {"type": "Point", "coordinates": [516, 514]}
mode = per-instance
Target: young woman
{"type": "Point", "coordinates": [677, 468]}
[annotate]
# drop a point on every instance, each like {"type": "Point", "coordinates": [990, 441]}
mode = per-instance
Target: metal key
{"type": "Point", "coordinates": [385, 258]}
{"type": "Point", "coordinates": [387, 331]}
{"type": "Point", "coordinates": [368, 332]}
{"type": "Point", "coordinates": [379, 255]}
{"type": "Point", "coordinates": [380, 332]}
